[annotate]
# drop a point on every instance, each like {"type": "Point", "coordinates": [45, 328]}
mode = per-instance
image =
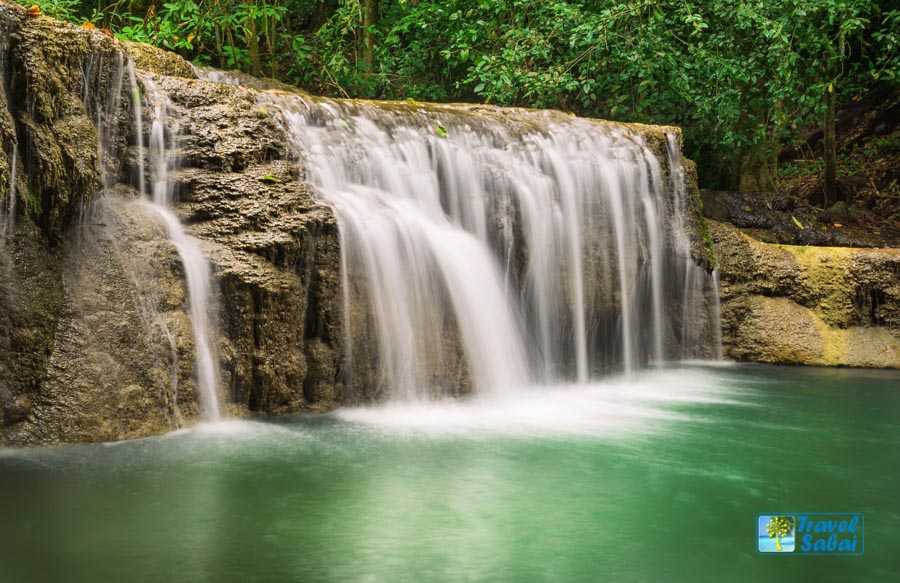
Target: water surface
{"type": "Point", "coordinates": [655, 479]}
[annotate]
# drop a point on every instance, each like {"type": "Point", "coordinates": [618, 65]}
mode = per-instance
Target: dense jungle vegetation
{"type": "Point", "coordinates": [747, 79]}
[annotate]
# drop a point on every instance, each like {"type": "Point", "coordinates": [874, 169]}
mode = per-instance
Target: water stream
{"type": "Point", "coordinates": [504, 249]}
{"type": "Point", "coordinates": [198, 277]}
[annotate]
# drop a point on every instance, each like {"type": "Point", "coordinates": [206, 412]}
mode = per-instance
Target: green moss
{"type": "Point", "coordinates": [885, 146]}
{"type": "Point", "coordinates": [709, 243]}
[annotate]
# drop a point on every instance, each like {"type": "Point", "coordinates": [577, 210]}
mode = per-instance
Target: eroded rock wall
{"type": "Point", "coordinates": [274, 249]}
{"type": "Point", "coordinates": [95, 342]}
{"type": "Point", "coordinates": [95, 337]}
{"type": "Point", "coordinates": [794, 304]}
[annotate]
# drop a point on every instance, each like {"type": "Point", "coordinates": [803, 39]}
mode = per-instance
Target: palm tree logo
{"type": "Point", "coordinates": [779, 527]}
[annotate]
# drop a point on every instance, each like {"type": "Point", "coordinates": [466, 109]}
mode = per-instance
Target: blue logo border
{"type": "Point", "coordinates": [798, 552]}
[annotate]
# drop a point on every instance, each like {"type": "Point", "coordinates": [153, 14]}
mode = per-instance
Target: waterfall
{"type": "Point", "coordinates": [700, 307]}
{"type": "Point", "coordinates": [160, 197]}
{"type": "Point", "coordinates": [8, 220]}
{"type": "Point", "coordinates": [530, 247]}
{"type": "Point", "coordinates": [716, 313]}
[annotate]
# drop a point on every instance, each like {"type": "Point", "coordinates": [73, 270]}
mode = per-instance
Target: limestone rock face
{"type": "Point", "coordinates": [791, 304]}
{"type": "Point", "coordinates": [120, 357]}
{"type": "Point", "coordinates": [95, 337]}
{"type": "Point", "coordinates": [274, 249]}
{"type": "Point", "coordinates": [154, 60]}
{"type": "Point", "coordinates": [69, 357]}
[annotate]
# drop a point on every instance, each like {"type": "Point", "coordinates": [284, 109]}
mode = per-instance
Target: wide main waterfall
{"type": "Point", "coordinates": [496, 248]}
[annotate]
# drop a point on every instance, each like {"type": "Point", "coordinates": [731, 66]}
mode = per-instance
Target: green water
{"type": "Point", "coordinates": [658, 479]}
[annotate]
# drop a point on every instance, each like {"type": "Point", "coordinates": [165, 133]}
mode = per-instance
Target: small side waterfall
{"type": "Point", "coordinates": [716, 314]}
{"type": "Point", "coordinates": [8, 222]}
{"type": "Point", "coordinates": [700, 306]}
{"type": "Point", "coordinates": [520, 247]}
{"type": "Point", "coordinates": [197, 271]}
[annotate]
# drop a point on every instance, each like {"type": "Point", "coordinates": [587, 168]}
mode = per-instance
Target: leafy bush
{"type": "Point", "coordinates": [62, 9]}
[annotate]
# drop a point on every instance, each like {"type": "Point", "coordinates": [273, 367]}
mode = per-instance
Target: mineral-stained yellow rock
{"type": "Point", "coordinates": [779, 331]}
{"type": "Point", "coordinates": [792, 304]}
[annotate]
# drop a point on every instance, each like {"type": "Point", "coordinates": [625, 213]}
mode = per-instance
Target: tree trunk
{"type": "Point", "coordinates": [756, 173]}
{"type": "Point", "coordinates": [252, 35]}
{"type": "Point", "coordinates": [830, 149]}
{"type": "Point", "coordinates": [370, 17]}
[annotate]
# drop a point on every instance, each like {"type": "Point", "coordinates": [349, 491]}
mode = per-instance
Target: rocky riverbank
{"type": "Point", "coordinates": [797, 304]}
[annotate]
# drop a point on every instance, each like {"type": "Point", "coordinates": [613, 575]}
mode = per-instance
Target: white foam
{"type": "Point", "coordinates": [616, 407]}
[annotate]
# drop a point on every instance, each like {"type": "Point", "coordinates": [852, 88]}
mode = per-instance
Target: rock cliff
{"type": "Point", "coordinates": [95, 338]}
{"type": "Point", "coordinates": [95, 334]}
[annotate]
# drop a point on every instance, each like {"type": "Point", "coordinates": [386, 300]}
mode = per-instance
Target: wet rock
{"type": "Point", "coordinates": [274, 249]}
{"type": "Point", "coordinates": [95, 337]}
{"type": "Point", "coordinates": [17, 410]}
{"type": "Point", "coordinates": [119, 357]}
{"type": "Point", "coordinates": [838, 212]}
{"type": "Point", "coordinates": [88, 349]}
{"type": "Point", "coordinates": [794, 304]}
{"type": "Point", "coordinates": [154, 60]}
{"type": "Point", "coordinates": [778, 218]}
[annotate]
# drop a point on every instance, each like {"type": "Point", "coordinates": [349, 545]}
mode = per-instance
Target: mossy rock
{"type": "Point", "coordinates": [155, 60]}
{"type": "Point", "coordinates": [794, 304]}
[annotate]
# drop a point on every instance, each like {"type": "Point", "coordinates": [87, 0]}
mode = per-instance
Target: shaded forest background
{"type": "Point", "coordinates": [772, 94]}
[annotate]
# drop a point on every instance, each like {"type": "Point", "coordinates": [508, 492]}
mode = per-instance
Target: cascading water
{"type": "Point", "coordinates": [523, 244]}
{"type": "Point", "coordinates": [196, 267]}
{"type": "Point", "coordinates": [7, 206]}
{"type": "Point", "coordinates": [699, 300]}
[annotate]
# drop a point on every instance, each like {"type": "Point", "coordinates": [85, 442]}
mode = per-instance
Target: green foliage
{"type": "Point", "coordinates": [741, 76]}
{"type": "Point", "coordinates": [62, 9]}
{"type": "Point", "coordinates": [884, 146]}
{"type": "Point", "coordinates": [886, 40]}
{"type": "Point", "coordinates": [800, 168]}
{"type": "Point", "coordinates": [227, 33]}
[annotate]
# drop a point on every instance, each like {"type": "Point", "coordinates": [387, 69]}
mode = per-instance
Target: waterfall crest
{"type": "Point", "coordinates": [500, 249]}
